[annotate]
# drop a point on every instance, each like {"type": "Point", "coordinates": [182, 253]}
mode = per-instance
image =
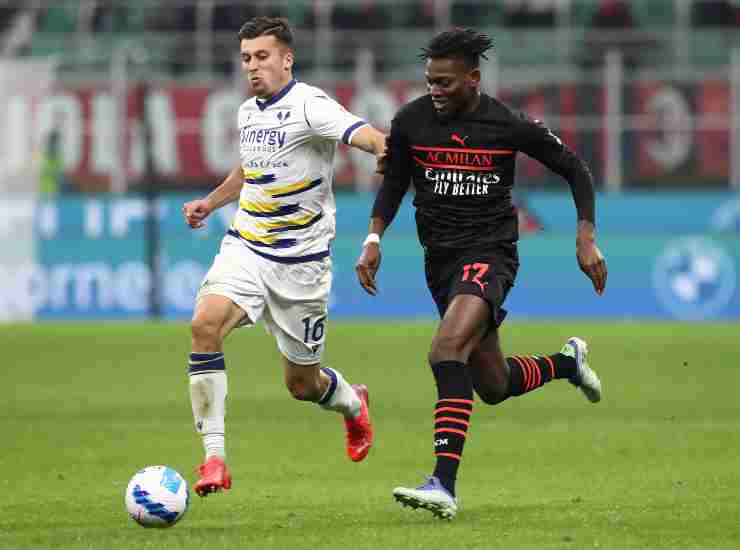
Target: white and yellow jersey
{"type": "Point", "coordinates": [286, 146]}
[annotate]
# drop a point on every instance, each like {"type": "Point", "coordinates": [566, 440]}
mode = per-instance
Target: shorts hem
{"type": "Point", "coordinates": [300, 361]}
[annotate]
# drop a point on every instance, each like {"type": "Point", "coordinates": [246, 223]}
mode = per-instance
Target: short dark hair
{"type": "Point", "coordinates": [457, 42]}
{"type": "Point", "coordinates": [267, 26]}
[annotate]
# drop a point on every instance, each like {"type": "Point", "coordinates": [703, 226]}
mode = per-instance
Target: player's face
{"type": "Point", "coordinates": [267, 63]}
{"type": "Point", "coordinates": [452, 84]}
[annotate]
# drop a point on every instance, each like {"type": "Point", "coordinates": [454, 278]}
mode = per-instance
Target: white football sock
{"type": "Point", "coordinates": [340, 396]}
{"type": "Point", "coordinates": [208, 392]}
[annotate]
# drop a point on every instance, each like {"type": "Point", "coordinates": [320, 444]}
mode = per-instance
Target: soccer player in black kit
{"type": "Point", "coordinates": [458, 147]}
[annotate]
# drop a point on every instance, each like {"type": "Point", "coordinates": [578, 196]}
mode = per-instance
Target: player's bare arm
{"type": "Point", "coordinates": [371, 141]}
{"type": "Point", "coordinates": [228, 191]}
{"type": "Point", "coordinates": [590, 258]}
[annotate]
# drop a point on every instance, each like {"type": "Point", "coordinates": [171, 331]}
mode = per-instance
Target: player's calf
{"type": "Point", "coordinates": [303, 390]}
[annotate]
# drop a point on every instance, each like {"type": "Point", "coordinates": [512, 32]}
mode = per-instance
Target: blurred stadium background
{"type": "Point", "coordinates": [116, 112]}
{"type": "Point", "coordinates": [113, 113]}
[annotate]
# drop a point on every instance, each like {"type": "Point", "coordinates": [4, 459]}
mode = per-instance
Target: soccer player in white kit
{"type": "Point", "coordinates": [274, 263]}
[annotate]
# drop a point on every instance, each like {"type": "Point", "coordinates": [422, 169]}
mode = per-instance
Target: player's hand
{"type": "Point", "coordinates": [592, 263]}
{"type": "Point", "coordinates": [381, 159]}
{"type": "Point", "coordinates": [367, 266]}
{"type": "Point", "coordinates": [195, 212]}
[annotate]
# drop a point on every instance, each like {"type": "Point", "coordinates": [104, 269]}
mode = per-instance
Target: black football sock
{"type": "Point", "coordinates": [530, 372]}
{"type": "Point", "coordinates": [451, 418]}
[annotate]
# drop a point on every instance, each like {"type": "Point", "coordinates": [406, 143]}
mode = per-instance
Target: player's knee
{"type": "Point", "coordinates": [302, 390]}
{"type": "Point", "coordinates": [492, 395]}
{"type": "Point", "coordinates": [490, 380]}
{"type": "Point", "coordinates": [206, 333]}
{"type": "Point", "coordinates": [447, 347]}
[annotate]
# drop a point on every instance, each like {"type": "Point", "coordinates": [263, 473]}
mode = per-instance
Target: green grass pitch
{"type": "Point", "coordinates": [655, 465]}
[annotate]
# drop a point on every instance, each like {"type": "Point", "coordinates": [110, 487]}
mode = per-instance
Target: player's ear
{"type": "Point", "coordinates": [288, 60]}
{"type": "Point", "coordinates": [473, 78]}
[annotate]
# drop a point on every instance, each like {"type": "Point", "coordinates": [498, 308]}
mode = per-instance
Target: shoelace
{"type": "Point", "coordinates": [429, 484]}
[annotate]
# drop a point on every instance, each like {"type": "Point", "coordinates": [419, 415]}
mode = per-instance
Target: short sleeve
{"type": "Point", "coordinates": [329, 119]}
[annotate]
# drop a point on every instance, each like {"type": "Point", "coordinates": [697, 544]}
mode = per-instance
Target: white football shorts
{"type": "Point", "coordinates": [291, 299]}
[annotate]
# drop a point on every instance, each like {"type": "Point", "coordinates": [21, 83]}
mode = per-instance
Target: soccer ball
{"type": "Point", "coordinates": [157, 496]}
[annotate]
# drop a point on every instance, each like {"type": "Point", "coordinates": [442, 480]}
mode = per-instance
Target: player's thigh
{"type": "Point", "coordinates": [488, 369]}
{"type": "Point", "coordinates": [463, 326]}
{"type": "Point", "coordinates": [216, 315]}
{"type": "Point", "coordinates": [231, 293]}
{"type": "Point", "coordinates": [468, 291]}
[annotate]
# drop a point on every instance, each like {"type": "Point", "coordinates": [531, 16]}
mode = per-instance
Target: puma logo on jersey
{"type": "Point", "coordinates": [457, 139]}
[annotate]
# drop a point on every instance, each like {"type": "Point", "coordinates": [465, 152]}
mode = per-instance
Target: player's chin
{"type": "Point", "coordinates": [258, 87]}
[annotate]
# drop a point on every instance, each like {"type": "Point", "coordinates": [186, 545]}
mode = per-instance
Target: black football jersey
{"type": "Point", "coordinates": [463, 170]}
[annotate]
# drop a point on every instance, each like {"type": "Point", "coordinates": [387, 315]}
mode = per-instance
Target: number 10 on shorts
{"type": "Point", "coordinates": [313, 332]}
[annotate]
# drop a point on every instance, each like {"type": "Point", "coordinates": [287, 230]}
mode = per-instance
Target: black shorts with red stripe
{"type": "Point", "coordinates": [489, 275]}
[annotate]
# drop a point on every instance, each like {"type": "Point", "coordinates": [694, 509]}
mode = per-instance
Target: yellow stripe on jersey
{"type": "Point", "coordinates": [262, 207]}
{"type": "Point", "coordinates": [267, 239]}
{"type": "Point", "coordinates": [298, 222]}
{"type": "Point", "coordinates": [293, 188]}
{"type": "Point", "coordinates": [268, 209]}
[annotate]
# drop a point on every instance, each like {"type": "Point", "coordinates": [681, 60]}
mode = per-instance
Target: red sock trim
{"type": "Point", "coordinates": [452, 409]}
{"type": "Point", "coordinates": [467, 401]}
{"type": "Point", "coordinates": [452, 419]}
{"type": "Point", "coordinates": [552, 367]}
{"type": "Point", "coordinates": [451, 430]}
{"type": "Point", "coordinates": [449, 455]}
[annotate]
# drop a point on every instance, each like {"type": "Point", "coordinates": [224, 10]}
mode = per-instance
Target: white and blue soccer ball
{"type": "Point", "coordinates": [157, 496]}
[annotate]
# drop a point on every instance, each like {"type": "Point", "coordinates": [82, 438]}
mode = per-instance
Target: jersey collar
{"type": "Point", "coordinates": [277, 97]}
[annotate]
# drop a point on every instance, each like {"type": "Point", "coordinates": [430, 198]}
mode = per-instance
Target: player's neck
{"type": "Point", "coordinates": [474, 104]}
